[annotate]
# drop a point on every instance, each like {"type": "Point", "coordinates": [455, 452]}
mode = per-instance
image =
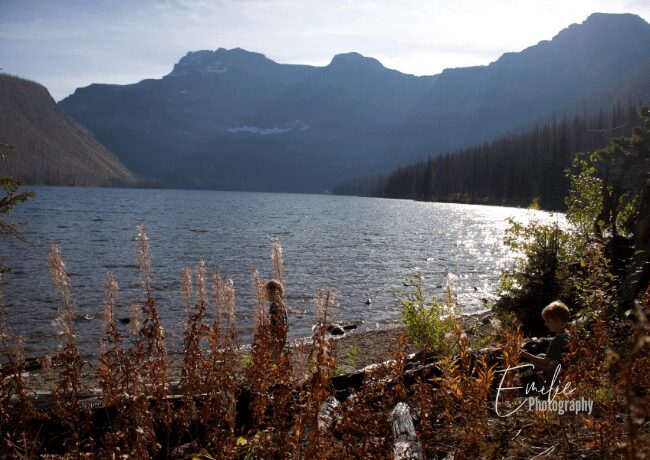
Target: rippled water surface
{"type": "Point", "coordinates": [361, 248]}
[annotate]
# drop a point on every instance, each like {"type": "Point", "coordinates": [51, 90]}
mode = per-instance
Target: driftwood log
{"type": "Point", "coordinates": [327, 415]}
{"type": "Point", "coordinates": [407, 445]}
{"type": "Point", "coordinates": [417, 368]}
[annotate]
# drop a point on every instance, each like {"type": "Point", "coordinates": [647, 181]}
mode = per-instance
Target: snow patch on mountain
{"type": "Point", "coordinates": [284, 128]}
{"type": "Point", "coordinates": [196, 64]}
{"type": "Point", "coordinates": [216, 67]}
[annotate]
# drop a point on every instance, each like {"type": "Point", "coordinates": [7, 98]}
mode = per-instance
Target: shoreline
{"type": "Point", "coordinates": [353, 351]}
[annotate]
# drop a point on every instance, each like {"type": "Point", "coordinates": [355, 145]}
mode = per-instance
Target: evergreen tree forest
{"type": "Point", "coordinates": [515, 170]}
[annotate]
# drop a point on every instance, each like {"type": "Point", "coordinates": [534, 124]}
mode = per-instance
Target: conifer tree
{"type": "Point", "coordinates": [11, 196]}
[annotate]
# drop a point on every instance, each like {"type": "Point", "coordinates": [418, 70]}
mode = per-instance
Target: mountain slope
{"type": "Point", "coordinates": [152, 123]}
{"type": "Point", "coordinates": [231, 119]}
{"type": "Point", "coordinates": [513, 170]}
{"type": "Point", "coordinates": [520, 87]}
{"type": "Point", "coordinates": [49, 147]}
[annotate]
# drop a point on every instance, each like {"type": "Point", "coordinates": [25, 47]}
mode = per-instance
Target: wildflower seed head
{"type": "Point", "coordinates": [202, 298]}
{"type": "Point", "coordinates": [276, 259]}
{"type": "Point", "coordinates": [217, 294]}
{"type": "Point", "coordinates": [65, 319]}
{"type": "Point", "coordinates": [144, 257]}
{"type": "Point", "coordinates": [109, 301]}
{"type": "Point", "coordinates": [229, 301]}
{"type": "Point", "coordinates": [20, 348]}
{"type": "Point", "coordinates": [134, 324]}
{"type": "Point", "coordinates": [186, 290]}
{"type": "Point", "coordinates": [59, 276]}
{"type": "Point", "coordinates": [260, 313]}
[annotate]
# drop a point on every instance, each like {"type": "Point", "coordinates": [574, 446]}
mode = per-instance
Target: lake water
{"type": "Point", "coordinates": [361, 248]}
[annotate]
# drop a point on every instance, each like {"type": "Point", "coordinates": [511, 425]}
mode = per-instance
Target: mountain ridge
{"type": "Point", "coordinates": [215, 118]}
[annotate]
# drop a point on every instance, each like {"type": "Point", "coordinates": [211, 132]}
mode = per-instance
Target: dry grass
{"type": "Point", "coordinates": [283, 408]}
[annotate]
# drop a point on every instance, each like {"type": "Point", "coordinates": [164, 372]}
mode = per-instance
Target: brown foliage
{"type": "Point", "coordinates": [291, 408]}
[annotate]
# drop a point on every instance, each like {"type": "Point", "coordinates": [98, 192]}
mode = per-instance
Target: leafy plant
{"type": "Point", "coordinates": [608, 183]}
{"type": "Point", "coordinates": [585, 199]}
{"type": "Point", "coordinates": [352, 356]}
{"type": "Point", "coordinates": [247, 361]}
{"type": "Point", "coordinates": [548, 259]}
{"type": "Point", "coordinates": [427, 322]}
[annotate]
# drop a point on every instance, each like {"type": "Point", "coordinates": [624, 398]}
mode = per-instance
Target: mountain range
{"type": "Point", "coordinates": [236, 120]}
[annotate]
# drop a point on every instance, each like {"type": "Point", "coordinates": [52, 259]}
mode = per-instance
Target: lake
{"type": "Point", "coordinates": [360, 248]}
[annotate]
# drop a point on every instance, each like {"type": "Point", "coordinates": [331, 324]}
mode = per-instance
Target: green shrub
{"type": "Point", "coordinates": [427, 323]}
{"type": "Point", "coordinates": [584, 265]}
{"type": "Point", "coordinates": [545, 270]}
{"type": "Point", "coordinates": [352, 356]}
{"type": "Point", "coordinates": [247, 361]}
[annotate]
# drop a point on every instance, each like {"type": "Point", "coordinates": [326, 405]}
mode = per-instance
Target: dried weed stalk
{"type": "Point", "coordinates": [192, 378]}
{"type": "Point", "coordinates": [454, 411]}
{"type": "Point", "coordinates": [17, 413]}
{"type": "Point", "coordinates": [111, 356]}
{"type": "Point", "coordinates": [317, 389]}
{"type": "Point", "coordinates": [154, 365]}
{"type": "Point", "coordinates": [186, 290]}
{"type": "Point", "coordinates": [67, 409]}
{"type": "Point", "coordinates": [277, 263]}
{"type": "Point", "coordinates": [192, 375]}
{"type": "Point", "coordinates": [219, 411]}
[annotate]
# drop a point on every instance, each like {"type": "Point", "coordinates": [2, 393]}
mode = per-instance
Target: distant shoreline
{"type": "Point", "coordinates": [324, 193]}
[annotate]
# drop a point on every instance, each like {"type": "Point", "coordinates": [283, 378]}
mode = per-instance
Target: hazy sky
{"type": "Point", "coordinates": [66, 44]}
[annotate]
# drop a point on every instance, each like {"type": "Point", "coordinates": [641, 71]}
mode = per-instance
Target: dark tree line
{"type": "Point", "coordinates": [514, 170]}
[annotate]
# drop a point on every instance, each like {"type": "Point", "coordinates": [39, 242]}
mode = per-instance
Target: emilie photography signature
{"type": "Point", "coordinates": [544, 399]}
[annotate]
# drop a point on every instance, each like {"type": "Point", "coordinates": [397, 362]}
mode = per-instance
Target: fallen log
{"type": "Point", "coordinates": [327, 415]}
{"type": "Point", "coordinates": [407, 445]}
{"type": "Point", "coordinates": [425, 369]}
{"type": "Point", "coordinates": [343, 386]}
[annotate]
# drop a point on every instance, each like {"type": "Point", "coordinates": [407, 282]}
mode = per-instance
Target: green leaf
{"type": "Point", "coordinates": [242, 441]}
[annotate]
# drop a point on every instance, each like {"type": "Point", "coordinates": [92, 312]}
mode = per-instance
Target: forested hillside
{"type": "Point", "coordinates": [48, 147]}
{"type": "Point", "coordinates": [514, 170]}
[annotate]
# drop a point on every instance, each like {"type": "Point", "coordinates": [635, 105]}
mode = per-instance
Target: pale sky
{"type": "Point", "coordinates": [67, 44]}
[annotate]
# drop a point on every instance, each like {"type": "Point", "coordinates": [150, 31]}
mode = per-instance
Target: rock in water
{"type": "Point", "coordinates": [335, 329]}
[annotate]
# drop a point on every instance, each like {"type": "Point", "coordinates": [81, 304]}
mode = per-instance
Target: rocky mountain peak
{"type": "Point", "coordinates": [612, 19]}
{"type": "Point", "coordinates": [216, 62]}
{"type": "Point", "coordinates": [354, 60]}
